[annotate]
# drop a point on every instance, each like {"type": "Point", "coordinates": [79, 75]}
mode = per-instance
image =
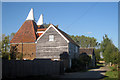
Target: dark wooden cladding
{"type": "Point", "coordinates": [53, 49]}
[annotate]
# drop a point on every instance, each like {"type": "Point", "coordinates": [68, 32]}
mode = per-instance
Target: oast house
{"type": "Point", "coordinates": [42, 41]}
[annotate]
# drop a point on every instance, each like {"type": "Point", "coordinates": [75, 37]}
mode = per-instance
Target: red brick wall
{"type": "Point", "coordinates": [28, 50]}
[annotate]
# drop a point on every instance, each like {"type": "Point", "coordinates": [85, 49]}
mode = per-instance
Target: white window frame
{"type": "Point", "coordinates": [51, 37]}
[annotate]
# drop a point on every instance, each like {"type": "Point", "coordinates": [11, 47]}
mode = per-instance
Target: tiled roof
{"type": "Point", "coordinates": [88, 51]}
{"type": "Point", "coordinates": [39, 34]}
{"type": "Point", "coordinates": [40, 26]}
{"type": "Point", "coordinates": [43, 29]}
{"type": "Point", "coordinates": [43, 26]}
{"type": "Point", "coordinates": [26, 33]}
{"type": "Point", "coordinates": [67, 36]}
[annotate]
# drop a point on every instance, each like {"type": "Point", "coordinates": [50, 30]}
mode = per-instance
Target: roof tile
{"type": "Point", "coordinates": [26, 33]}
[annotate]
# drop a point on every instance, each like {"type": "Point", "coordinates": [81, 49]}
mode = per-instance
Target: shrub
{"type": "Point", "coordinates": [5, 55]}
{"type": "Point", "coordinates": [113, 73]}
{"type": "Point", "coordinates": [13, 51]}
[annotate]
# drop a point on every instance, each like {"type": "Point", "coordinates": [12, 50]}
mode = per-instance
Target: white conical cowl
{"type": "Point", "coordinates": [40, 21]}
{"type": "Point", "coordinates": [30, 15]}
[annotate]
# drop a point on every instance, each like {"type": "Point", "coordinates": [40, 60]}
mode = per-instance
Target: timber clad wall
{"type": "Point", "coordinates": [28, 50]}
{"type": "Point", "coordinates": [72, 50]}
{"type": "Point", "coordinates": [51, 49]}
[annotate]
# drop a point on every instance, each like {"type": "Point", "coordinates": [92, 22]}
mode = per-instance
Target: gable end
{"type": "Point", "coordinates": [55, 30]}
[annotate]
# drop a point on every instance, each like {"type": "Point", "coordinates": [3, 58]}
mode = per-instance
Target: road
{"type": "Point", "coordinates": [92, 73]}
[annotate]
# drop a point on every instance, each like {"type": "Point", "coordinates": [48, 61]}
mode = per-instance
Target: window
{"type": "Point", "coordinates": [76, 49]}
{"type": "Point", "coordinates": [51, 37]}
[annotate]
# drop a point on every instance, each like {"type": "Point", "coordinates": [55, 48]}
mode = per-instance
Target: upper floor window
{"type": "Point", "coordinates": [76, 49]}
{"type": "Point", "coordinates": [51, 37]}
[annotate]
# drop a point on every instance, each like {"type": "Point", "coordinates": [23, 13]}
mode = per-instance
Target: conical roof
{"type": "Point", "coordinates": [26, 33]}
{"type": "Point", "coordinates": [40, 20]}
{"type": "Point", "coordinates": [30, 15]}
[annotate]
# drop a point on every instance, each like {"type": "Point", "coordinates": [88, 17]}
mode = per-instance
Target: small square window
{"type": "Point", "coordinates": [51, 37]}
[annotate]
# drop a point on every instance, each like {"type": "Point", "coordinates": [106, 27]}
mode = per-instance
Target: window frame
{"type": "Point", "coordinates": [51, 37]}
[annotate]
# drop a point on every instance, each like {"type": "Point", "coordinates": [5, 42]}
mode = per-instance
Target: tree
{"type": "Point", "coordinates": [84, 41]}
{"type": "Point", "coordinates": [0, 49]}
{"type": "Point", "coordinates": [5, 47]}
{"type": "Point", "coordinates": [11, 36]}
{"type": "Point", "coordinates": [97, 54]}
{"type": "Point", "coordinates": [5, 43]}
{"type": "Point", "coordinates": [110, 52]}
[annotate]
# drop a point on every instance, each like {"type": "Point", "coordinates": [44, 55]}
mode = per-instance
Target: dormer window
{"type": "Point", "coordinates": [51, 37]}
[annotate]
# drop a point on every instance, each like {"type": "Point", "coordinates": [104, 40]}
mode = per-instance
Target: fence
{"type": "Point", "coordinates": [21, 68]}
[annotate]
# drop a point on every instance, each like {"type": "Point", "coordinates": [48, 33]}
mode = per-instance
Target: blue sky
{"type": "Point", "coordinates": [92, 19]}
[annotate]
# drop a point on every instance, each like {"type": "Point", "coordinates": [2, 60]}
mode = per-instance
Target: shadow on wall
{"type": "Point", "coordinates": [64, 55]}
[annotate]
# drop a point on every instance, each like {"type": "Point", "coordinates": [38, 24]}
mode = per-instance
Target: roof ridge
{"type": "Point", "coordinates": [67, 36]}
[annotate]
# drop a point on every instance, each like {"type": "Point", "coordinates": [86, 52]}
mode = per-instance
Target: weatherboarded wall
{"type": "Point", "coordinates": [51, 49]}
{"type": "Point", "coordinates": [19, 68]}
{"type": "Point", "coordinates": [73, 50]}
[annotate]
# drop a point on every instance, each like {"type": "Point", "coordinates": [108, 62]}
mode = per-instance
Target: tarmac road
{"type": "Point", "coordinates": [93, 73]}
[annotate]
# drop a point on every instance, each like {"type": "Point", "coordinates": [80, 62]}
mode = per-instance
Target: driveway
{"type": "Point", "coordinates": [93, 73]}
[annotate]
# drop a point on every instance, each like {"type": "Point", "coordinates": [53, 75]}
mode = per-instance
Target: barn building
{"type": "Point", "coordinates": [41, 41]}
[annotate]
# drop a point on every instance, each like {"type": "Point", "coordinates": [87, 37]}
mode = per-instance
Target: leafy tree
{"type": "Point", "coordinates": [0, 49]}
{"type": "Point", "coordinates": [11, 36]}
{"type": "Point", "coordinates": [5, 47]}
{"type": "Point", "coordinates": [97, 54]}
{"type": "Point", "coordinates": [84, 41]}
{"type": "Point", "coordinates": [5, 43]}
{"type": "Point", "coordinates": [110, 52]}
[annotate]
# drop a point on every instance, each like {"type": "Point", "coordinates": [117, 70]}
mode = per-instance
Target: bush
{"type": "Point", "coordinates": [114, 68]}
{"type": "Point", "coordinates": [79, 64]}
{"type": "Point", "coordinates": [13, 51]}
{"type": "Point", "coordinates": [113, 73]}
{"type": "Point", "coordinates": [5, 55]}
{"type": "Point", "coordinates": [84, 58]}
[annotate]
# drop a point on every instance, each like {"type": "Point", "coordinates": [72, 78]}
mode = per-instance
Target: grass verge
{"type": "Point", "coordinates": [112, 74]}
